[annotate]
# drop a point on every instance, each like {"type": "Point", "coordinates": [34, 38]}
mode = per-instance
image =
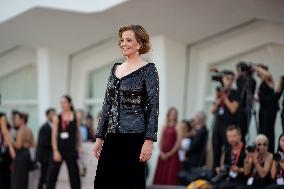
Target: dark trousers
{"type": "Point", "coordinates": [267, 117]}
{"type": "Point", "coordinates": [70, 157]}
{"type": "Point", "coordinates": [43, 174]}
{"type": "Point", "coordinates": [5, 170]}
{"type": "Point", "coordinates": [20, 172]}
{"type": "Point", "coordinates": [219, 141]}
{"type": "Point", "coordinates": [243, 122]}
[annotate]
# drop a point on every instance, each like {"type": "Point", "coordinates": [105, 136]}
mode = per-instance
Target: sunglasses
{"type": "Point", "coordinates": [262, 144]}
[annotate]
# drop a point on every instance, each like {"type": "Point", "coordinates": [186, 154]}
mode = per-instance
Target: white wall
{"type": "Point", "coordinates": [16, 59]}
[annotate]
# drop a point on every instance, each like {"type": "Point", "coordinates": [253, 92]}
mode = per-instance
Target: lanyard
{"type": "Point", "coordinates": [237, 156]}
{"type": "Point", "coordinates": [65, 124]}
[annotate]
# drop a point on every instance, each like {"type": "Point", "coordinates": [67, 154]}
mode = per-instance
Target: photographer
{"type": "Point", "coordinates": [246, 85]}
{"type": "Point", "coordinates": [257, 165]}
{"type": "Point", "coordinates": [279, 93]}
{"type": "Point", "coordinates": [224, 107]}
{"type": "Point", "coordinates": [277, 170]}
{"type": "Point", "coordinates": [231, 175]}
{"type": "Point", "coordinates": [268, 104]}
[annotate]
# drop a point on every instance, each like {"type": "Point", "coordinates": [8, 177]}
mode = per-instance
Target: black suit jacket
{"type": "Point", "coordinates": [131, 103]}
{"type": "Point", "coordinates": [196, 152]}
{"type": "Point", "coordinates": [44, 150]}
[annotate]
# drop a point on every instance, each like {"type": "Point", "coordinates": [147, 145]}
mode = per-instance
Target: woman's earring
{"type": "Point", "coordinates": [137, 52]}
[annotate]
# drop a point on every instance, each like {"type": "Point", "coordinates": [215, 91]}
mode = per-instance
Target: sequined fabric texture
{"type": "Point", "coordinates": [131, 103]}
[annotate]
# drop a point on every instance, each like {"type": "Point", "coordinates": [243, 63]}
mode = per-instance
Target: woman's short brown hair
{"type": "Point", "coordinates": [141, 36]}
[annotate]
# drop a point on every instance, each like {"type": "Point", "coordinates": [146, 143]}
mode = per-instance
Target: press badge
{"type": "Point", "coordinates": [280, 181]}
{"type": "Point", "coordinates": [64, 135]}
{"type": "Point", "coordinates": [221, 111]}
{"type": "Point", "coordinates": [233, 174]}
{"type": "Point", "coordinates": [250, 181]}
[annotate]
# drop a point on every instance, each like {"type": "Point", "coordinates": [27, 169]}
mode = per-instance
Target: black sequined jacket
{"type": "Point", "coordinates": [131, 103]}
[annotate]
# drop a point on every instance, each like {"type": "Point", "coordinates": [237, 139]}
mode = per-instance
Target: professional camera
{"type": "Point", "coordinates": [218, 77]}
{"type": "Point", "coordinates": [278, 156]}
{"type": "Point", "coordinates": [222, 175]}
{"type": "Point", "coordinates": [251, 148]}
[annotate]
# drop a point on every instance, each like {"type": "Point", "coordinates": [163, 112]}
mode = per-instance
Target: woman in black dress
{"type": "Point", "coordinates": [128, 122]}
{"type": "Point", "coordinates": [268, 104]}
{"type": "Point", "coordinates": [65, 139]}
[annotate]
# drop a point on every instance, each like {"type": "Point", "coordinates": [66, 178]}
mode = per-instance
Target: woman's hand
{"type": "Point", "coordinates": [57, 156]}
{"type": "Point", "coordinates": [255, 158]}
{"type": "Point", "coordinates": [98, 148]}
{"type": "Point", "coordinates": [146, 151]}
{"type": "Point", "coordinates": [235, 169]}
{"type": "Point", "coordinates": [12, 152]}
{"type": "Point", "coordinates": [164, 156]}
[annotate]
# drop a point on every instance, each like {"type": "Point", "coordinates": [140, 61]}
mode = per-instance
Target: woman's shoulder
{"type": "Point", "coordinates": [150, 68]}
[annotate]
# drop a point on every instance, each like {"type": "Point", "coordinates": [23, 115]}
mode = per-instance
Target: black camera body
{"type": "Point", "coordinates": [218, 77]}
{"type": "Point", "coordinates": [279, 156]}
{"type": "Point", "coordinates": [224, 171]}
{"type": "Point", "coordinates": [251, 148]}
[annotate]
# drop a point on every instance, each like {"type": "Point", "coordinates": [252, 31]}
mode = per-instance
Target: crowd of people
{"type": "Point", "coordinates": [59, 139]}
{"type": "Point", "coordinates": [235, 163]}
{"type": "Point", "coordinates": [182, 156]}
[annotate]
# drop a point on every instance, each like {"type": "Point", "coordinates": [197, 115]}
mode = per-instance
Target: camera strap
{"type": "Point", "coordinates": [237, 155]}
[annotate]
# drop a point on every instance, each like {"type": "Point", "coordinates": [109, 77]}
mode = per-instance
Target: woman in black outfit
{"type": "Point", "coordinates": [277, 170]}
{"type": "Point", "coordinates": [257, 165]}
{"type": "Point", "coordinates": [22, 162]}
{"type": "Point", "coordinates": [128, 122]}
{"type": "Point", "coordinates": [268, 105]}
{"type": "Point", "coordinates": [65, 139]}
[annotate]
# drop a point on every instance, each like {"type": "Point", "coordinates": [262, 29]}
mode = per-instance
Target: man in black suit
{"type": "Point", "coordinates": [196, 153]}
{"type": "Point", "coordinates": [44, 150]}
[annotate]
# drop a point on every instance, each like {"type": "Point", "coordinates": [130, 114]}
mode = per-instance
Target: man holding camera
{"type": "Point", "coordinates": [231, 174]}
{"type": "Point", "coordinates": [225, 109]}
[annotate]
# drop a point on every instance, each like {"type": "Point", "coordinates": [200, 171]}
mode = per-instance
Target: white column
{"type": "Point", "coordinates": [169, 57]}
{"type": "Point", "coordinates": [158, 54]}
{"type": "Point", "coordinates": [43, 82]}
{"type": "Point", "coordinates": [52, 69]}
